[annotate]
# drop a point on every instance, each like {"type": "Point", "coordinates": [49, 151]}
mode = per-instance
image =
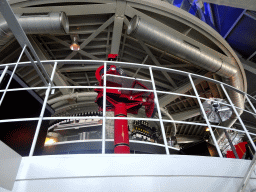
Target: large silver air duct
{"type": "Point", "coordinates": [46, 23]}
{"type": "Point", "coordinates": [164, 40]}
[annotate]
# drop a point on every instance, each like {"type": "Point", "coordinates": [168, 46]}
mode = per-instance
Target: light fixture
{"type": "Point", "coordinates": [49, 141]}
{"type": "Point", "coordinates": [207, 129]}
{"type": "Point", "coordinates": [74, 46]}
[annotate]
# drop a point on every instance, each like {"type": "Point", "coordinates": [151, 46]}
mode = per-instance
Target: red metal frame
{"type": "Point", "coordinates": [122, 104]}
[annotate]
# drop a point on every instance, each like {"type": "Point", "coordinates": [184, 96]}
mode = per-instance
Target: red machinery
{"type": "Point", "coordinates": [123, 102]}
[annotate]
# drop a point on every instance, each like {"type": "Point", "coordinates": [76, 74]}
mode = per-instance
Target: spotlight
{"type": "Point", "coordinates": [49, 141]}
{"type": "Point", "coordinates": [75, 46]}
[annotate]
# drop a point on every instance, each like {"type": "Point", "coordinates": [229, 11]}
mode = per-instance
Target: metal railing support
{"type": "Point", "coordinates": [159, 112]}
{"type": "Point", "coordinates": [104, 110]}
{"type": "Point", "coordinates": [239, 118]}
{"type": "Point", "coordinates": [13, 72]}
{"type": "Point", "coordinates": [42, 113]}
{"type": "Point", "coordinates": [21, 37]}
{"type": "Point", "coordinates": [247, 175]}
{"type": "Point", "coordinates": [205, 116]}
{"type": "Point", "coordinates": [3, 73]}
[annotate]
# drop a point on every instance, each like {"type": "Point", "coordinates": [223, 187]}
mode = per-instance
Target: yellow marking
{"type": "Point", "coordinates": [123, 131]}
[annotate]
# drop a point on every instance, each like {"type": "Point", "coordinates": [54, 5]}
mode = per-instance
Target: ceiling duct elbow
{"type": "Point", "coordinates": [45, 23]}
{"type": "Point", "coordinates": [162, 39]}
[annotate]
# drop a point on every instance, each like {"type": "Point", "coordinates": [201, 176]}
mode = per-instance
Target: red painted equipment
{"type": "Point", "coordinates": [123, 102]}
{"type": "Point", "coordinates": [240, 149]}
{"type": "Point", "coordinates": [112, 57]}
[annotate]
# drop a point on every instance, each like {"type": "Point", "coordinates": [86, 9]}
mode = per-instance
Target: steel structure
{"type": "Point", "coordinates": [67, 84]}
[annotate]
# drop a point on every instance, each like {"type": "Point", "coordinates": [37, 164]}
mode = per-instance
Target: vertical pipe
{"type": "Point", "coordinates": [247, 100]}
{"type": "Point", "coordinates": [159, 111]}
{"type": "Point", "coordinates": [42, 112]}
{"type": "Point", "coordinates": [3, 73]}
{"type": "Point", "coordinates": [121, 139]}
{"type": "Point", "coordinates": [13, 72]}
{"type": "Point", "coordinates": [205, 116]}
{"type": "Point", "coordinates": [247, 175]}
{"type": "Point", "coordinates": [239, 118]}
{"type": "Point", "coordinates": [104, 110]}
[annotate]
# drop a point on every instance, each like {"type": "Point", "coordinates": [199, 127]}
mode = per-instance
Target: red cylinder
{"type": "Point", "coordinates": [121, 139]}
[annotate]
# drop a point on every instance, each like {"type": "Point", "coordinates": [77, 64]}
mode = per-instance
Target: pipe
{"type": "Point", "coordinates": [72, 96]}
{"type": "Point", "coordinates": [48, 23]}
{"type": "Point", "coordinates": [164, 40]}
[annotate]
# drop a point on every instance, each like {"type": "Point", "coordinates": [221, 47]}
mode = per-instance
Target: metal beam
{"type": "Point", "coordinates": [68, 45]}
{"type": "Point", "coordinates": [251, 56]}
{"type": "Point", "coordinates": [248, 65]}
{"type": "Point", "coordinates": [234, 24]}
{"type": "Point", "coordinates": [157, 63]}
{"type": "Point", "coordinates": [21, 37]}
{"type": "Point", "coordinates": [118, 26]}
{"type": "Point", "coordinates": [58, 80]}
{"type": "Point", "coordinates": [92, 36]}
{"type": "Point", "coordinates": [163, 101]}
{"type": "Point", "coordinates": [145, 77]}
{"type": "Point", "coordinates": [108, 46]}
{"type": "Point", "coordinates": [46, 46]}
{"type": "Point", "coordinates": [245, 4]}
{"type": "Point", "coordinates": [11, 56]}
{"type": "Point", "coordinates": [186, 114]}
{"type": "Point", "coordinates": [69, 80]}
{"type": "Point", "coordinates": [188, 138]}
{"type": "Point", "coordinates": [71, 9]}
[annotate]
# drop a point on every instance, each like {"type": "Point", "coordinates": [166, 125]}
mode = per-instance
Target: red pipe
{"type": "Point", "coordinates": [121, 139]}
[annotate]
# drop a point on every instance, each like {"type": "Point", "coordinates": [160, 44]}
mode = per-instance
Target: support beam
{"type": "Point", "coordinates": [103, 8]}
{"type": "Point", "coordinates": [21, 37]}
{"type": "Point", "coordinates": [10, 57]}
{"type": "Point", "coordinates": [68, 45]}
{"type": "Point", "coordinates": [92, 36]}
{"type": "Point", "coordinates": [163, 101]}
{"type": "Point", "coordinates": [157, 63]}
{"type": "Point", "coordinates": [164, 85]}
{"type": "Point", "coordinates": [251, 56]}
{"type": "Point", "coordinates": [58, 80]}
{"type": "Point", "coordinates": [181, 139]}
{"type": "Point", "coordinates": [248, 65]}
{"type": "Point", "coordinates": [234, 24]}
{"type": "Point", "coordinates": [245, 4]}
{"type": "Point", "coordinates": [118, 26]}
{"type": "Point", "coordinates": [186, 114]}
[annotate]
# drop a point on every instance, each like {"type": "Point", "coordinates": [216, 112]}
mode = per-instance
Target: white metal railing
{"type": "Point", "coordinates": [154, 90]}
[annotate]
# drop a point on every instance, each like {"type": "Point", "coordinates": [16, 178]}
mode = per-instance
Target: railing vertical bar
{"type": "Point", "coordinates": [42, 112]}
{"type": "Point", "coordinates": [247, 100]}
{"type": "Point", "coordinates": [159, 112]}
{"type": "Point", "coordinates": [205, 116]}
{"type": "Point", "coordinates": [104, 110]}
{"type": "Point", "coordinates": [239, 118]}
{"type": "Point", "coordinates": [3, 73]}
{"type": "Point", "coordinates": [13, 72]}
{"type": "Point", "coordinates": [253, 162]}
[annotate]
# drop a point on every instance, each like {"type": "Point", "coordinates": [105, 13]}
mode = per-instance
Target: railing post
{"type": "Point", "coordinates": [205, 116]}
{"type": "Point", "coordinates": [13, 72]}
{"type": "Point", "coordinates": [238, 116]}
{"type": "Point", "coordinates": [104, 110]}
{"type": "Point", "coordinates": [42, 112]}
{"type": "Point", "coordinates": [3, 74]}
{"type": "Point", "coordinates": [159, 111]}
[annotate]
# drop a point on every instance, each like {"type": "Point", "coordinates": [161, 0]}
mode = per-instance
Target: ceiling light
{"type": "Point", "coordinates": [49, 141]}
{"type": "Point", "coordinates": [75, 46]}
